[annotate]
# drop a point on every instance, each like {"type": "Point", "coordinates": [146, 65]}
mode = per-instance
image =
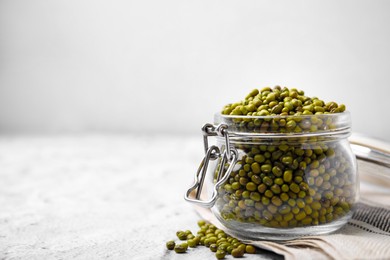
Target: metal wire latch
{"type": "Point", "coordinates": [227, 155]}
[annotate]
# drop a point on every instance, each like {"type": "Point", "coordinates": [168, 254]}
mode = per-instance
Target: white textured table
{"type": "Point", "coordinates": [94, 197]}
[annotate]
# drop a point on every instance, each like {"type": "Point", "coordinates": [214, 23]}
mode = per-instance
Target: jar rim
{"type": "Point", "coordinates": [330, 115]}
{"type": "Point", "coordinates": [312, 125]}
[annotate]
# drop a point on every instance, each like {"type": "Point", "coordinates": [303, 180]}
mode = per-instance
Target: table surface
{"type": "Point", "coordinates": [97, 196]}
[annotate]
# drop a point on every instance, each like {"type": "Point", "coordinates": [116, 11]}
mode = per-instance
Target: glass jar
{"type": "Point", "coordinates": [278, 177]}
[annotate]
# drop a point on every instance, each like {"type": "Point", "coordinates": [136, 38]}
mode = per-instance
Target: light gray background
{"type": "Point", "coordinates": [156, 66]}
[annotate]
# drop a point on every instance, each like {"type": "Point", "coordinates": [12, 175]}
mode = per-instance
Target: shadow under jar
{"type": "Point", "coordinates": [279, 177]}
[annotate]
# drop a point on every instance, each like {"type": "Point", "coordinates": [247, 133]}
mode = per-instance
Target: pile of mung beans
{"type": "Point", "coordinates": [286, 182]}
{"type": "Point", "coordinates": [280, 101]}
{"type": "Point", "coordinates": [215, 239]}
{"type": "Point", "coordinates": [281, 110]}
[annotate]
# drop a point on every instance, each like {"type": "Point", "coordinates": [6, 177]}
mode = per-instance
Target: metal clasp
{"type": "Point", "coordinates": [228, 156]}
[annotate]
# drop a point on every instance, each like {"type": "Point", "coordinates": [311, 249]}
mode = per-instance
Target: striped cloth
{"type": "Point", "coordinates": [374, 216]}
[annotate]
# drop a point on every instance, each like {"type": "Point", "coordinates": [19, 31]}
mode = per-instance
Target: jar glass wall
{"type": "Point", "coordinates": [287, 183]}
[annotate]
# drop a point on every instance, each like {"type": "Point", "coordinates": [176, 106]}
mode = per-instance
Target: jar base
{"type": "Point", "coordinates": [252, 231]}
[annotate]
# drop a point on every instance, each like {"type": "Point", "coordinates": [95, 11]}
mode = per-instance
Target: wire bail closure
{"type": "Point", "coordinates": [228, 156]}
